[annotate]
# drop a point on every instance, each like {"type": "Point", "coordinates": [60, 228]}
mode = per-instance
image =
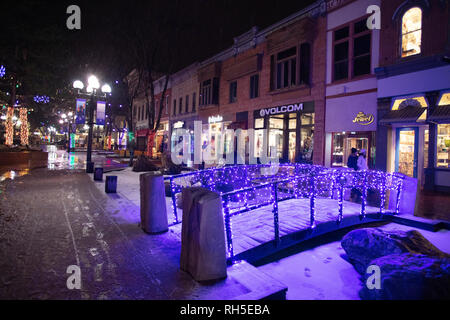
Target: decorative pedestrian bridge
{"type": "Point", "coordinates": [268, 208]}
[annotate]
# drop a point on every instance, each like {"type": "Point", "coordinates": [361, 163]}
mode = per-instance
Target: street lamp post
{"type": "Point", "coordinates": [91, 90]}
{"type": "Point", "coordinates": [70, 122]}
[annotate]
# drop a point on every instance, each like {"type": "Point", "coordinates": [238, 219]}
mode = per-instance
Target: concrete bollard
{"type": "Point", "coordinates": [203, 249]}
{"type": "Point", "coordinates": [98, 174]}
{"type": "Point", "coordinates": [408, 197]}
{"type": "Point", "coordinates": [153, 203]}
{"type": "Point", "coordinates": [111, 184]}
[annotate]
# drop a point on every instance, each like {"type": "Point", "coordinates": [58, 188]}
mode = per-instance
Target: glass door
{"type": "Point", "coordinates": [357, 143]}
{"type": "Point", "coordinates": [276, 130]}
{"type": "Point", "coordinates": [406, 151]}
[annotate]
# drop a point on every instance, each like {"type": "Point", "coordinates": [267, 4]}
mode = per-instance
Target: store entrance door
{"type": "Point", "coordinates": [407, 141]}
{"type": "Point", "coordinates": [359, 143]}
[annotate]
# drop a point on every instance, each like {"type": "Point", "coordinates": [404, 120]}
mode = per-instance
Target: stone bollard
{"type": "Point", "coordinates": [408, 197]}
{"type": "Point", "coordinates": [98, 174]}
{"type": "Point", "coordinates": [153, 203]}
{"type": "Point", "coordinates": [203, 249]}
{"type": "Point", "coordinates": [111, 184]}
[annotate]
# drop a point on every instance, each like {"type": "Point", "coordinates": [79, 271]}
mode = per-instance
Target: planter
{"type": "Point", "coordinates": [30, 159]}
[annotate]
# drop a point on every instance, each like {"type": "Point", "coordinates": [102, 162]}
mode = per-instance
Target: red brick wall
{"type": "Point", "coordinates": [316, 33]}
{"type": "Point", "coordinates": [435, 30]}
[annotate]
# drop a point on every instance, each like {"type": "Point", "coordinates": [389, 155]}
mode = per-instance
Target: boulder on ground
{"type": "Point", "coordinates": [409, 276]}
{"type": "Point", "coordinates": [365, 245]}
{"type": "Point", "coordinates": [143, 164]}
{"type": "Point", "coordinates": [168, 166]}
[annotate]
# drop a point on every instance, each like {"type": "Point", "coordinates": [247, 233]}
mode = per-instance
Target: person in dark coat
{"type": "Point", "coordinates": [131, 148]}
{"type": "Point", "coordinates": [352, 161]}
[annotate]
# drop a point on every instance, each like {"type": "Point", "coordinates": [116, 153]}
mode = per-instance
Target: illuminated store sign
{"type": "Point", "coordinates": [281, 109]}
{"type": "Point", "coordinates": [364, 119]}
{"type": "Point", "coordinates": [215, 119]}
{"type": "Point", "coordinates": [178, 125]}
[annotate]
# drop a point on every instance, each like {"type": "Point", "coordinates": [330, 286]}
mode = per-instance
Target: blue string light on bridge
{"type": "Point", "coordinates": [247, 187]}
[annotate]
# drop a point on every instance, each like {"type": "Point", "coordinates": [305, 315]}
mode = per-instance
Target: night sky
{"type": "Point", "coordinates": [199, 29]}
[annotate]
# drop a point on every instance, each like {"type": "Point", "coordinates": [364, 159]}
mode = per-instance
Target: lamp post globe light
{"type": "Point", "coordinates": [93, 84]}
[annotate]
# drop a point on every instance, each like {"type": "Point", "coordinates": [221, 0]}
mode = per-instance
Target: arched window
{"type": "Point", "coordinates": [411, 32]}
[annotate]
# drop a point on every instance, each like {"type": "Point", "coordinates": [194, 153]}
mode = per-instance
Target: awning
{"type": "Point", "coordinates": [405, 115]}
{"type": "Point", "coordinates": [440, 114]}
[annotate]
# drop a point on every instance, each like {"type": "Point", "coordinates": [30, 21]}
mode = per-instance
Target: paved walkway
{"type": "Point", "coordinates": [50, 220]}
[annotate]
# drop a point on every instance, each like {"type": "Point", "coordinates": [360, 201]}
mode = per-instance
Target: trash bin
{"type": "Point", "coordinates": [90, 167]}
{"type": "Point", "coordinates": [98, 174]}
{"type": "Point", "coordinates": [111, 184]}
{"type": "Point", "coordinates": [153, 203]}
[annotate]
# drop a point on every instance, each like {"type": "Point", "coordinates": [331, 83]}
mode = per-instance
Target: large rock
{"type": "Point", "coordinates": [168, 166]}
{"type": "Point", "coordinates": [364, 245]}
{"type": "Point", "coordinates": [410, 277]}
{"type": "Point", "coordinates": [143, 164]}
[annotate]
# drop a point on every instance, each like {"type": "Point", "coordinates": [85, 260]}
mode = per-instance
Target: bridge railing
{"type": "Point", "coordinates": [246, 188]}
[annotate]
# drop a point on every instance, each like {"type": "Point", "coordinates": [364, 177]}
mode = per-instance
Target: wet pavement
{"type": "Point", "coordinates": [55, 219]}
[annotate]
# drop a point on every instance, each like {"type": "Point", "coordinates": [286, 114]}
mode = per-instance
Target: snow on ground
{"type": "Point", "coordinates": [322, 273]}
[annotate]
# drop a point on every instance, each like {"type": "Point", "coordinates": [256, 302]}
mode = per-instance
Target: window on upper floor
{"type": "Point", "coordinates": [174, 107]}
{"type": "Point", "coordinates": [411, 38]}
{"type": "Point", "coordinates": [286, 68]}
{"type": "Point", "coordinates": [180, 106]}
{"type": "Point", "coordinates": [187, 104]}
{"type": "Point", "coordinates": [291, 67]}
{"type": "Point", "coordinates": [194, 99]}
{"type": "Point", "coordinates": [254, 86]}
{"type": "Point", "coordinates": [233, 91]}
{"type": "Point", "coordinates": [167, 105]}
{"type": "Point", "coordinates": [209, 92]}
{"type": "Point", "coordinates": [352, 50]}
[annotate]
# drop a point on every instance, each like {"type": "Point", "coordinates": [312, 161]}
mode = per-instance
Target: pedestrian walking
{"type": "Point", "coordinates": [131, 147]}
{"type": "Point", "coordinates": [352, 161]}
{"type": "Point", "coordinates": [362, 162]}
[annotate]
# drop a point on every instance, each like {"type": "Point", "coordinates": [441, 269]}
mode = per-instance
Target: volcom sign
{"type": "Point", "coordinates": [281, 109]}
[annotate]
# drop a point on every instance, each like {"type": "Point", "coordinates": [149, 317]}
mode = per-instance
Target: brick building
{"type": "Point", "coordinates": [413, 133]}
{"type": "Point", "coordinates": [269, 80]}
{"type": "Point", "coordinates": [351, 92]}
{"type": "Point", "coordinates": [141, 115]}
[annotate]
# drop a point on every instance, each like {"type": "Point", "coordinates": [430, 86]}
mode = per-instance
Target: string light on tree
{"type": "Point", "coordinates": [23, 118]}
{"type": "Point", "coordinates": [2, 71]}
{"type": "Point", "coordinates": [9, 127]}
{"type": "Point", "coordinates": [41, 99]}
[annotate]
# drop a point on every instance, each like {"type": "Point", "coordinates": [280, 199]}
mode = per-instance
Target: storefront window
{"type": "Point", "coordinates": [307, 136]}
{"type": "Point", "coordinates": [338, 150]}
{"type": "Point", "coordinates": [443, 146]}
{"type": "Point", "coordinates": [421, 100]}
{"type": "Point", "coordinates": [259, 123]}
{"type": "Point", "coordinates": [445, 99]}
{"type": "Point", "coordinates": [259, 136]}
{"type": "Point", "coordinates": [276, 141]}
{"type": "Point", "coordinates": [276, 123]}
{"type": "Point", "coordinates": [425, 148]}
{"type": "Point", "coordinates": [343, 144]}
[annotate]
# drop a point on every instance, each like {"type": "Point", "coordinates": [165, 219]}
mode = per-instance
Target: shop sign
{"type": "Point", "coordinates": [178, 125]}
{"type": "Point", "coordinates": [215, 119]}
{"type": "Point", "coordinates": [364, 119]}
{"type": "Point", "coordinates": [281, 109]}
